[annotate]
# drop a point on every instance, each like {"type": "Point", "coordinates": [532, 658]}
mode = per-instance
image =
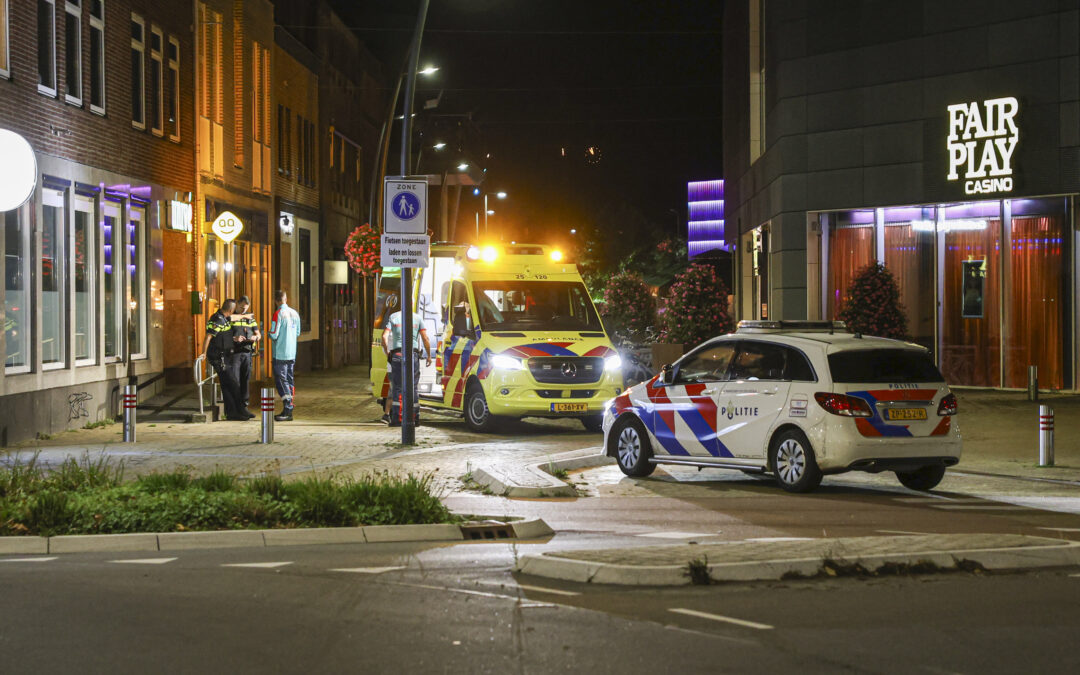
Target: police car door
{"type": "Point", "coordinates": [753, 398]}
{"type": "Point", "coordinates": [684, 415]}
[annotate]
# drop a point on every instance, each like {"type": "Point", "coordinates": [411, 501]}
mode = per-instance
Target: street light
{"type": "Point", "coordinates": [500, 195]}
{"type": "Point", "coordinates": [439, 146]}
{"type": "Point", "coordinates": [488, 212]}
{"type": "Point", "coordinates": [428, 70]}
{"type": "Point", "coordinates": [463, 166]}
{"type": "Point", "coordinates": [573, 231]}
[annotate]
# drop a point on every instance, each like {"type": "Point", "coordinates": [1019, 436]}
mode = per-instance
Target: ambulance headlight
{"type": "Point", "coordinates": [613, 363]}
{"type": "Point", "coordinates": [507, 362]}
{"type": "Point", "coordinates": [488, 254]}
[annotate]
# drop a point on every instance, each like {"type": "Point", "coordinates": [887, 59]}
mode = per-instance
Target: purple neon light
{"type": "Point", "coordinates": [705, 216]}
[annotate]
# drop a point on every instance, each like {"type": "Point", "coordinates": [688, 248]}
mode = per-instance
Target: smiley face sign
{"type": "Point", "coordinates": [227, 226]}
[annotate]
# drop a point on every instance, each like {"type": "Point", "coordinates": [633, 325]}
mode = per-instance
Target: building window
{"type": "Point", "coordinates": [97, 56]}
{"type": "Point", "coordinates": [53, 278]}
{"type": "Point", "coordinates": [302, 150]}
{"type": "Point", "coordinates": [138, 68]}
{"type": "Point", "coordinates": [260, 119]}
{"type": "Point", "coordinates": [5, 67]}
{"type": "Point", "coordinates": [172, 91]}
{"type": "Point", "coordinates": [157, 82]}
{"type": "Point", "coordinates": [17, 281]}
{"type": "Point", "coordinates": [757, 79]}
{"type": "Point", "coordinates": [136, 282]}
{"type": "Point", "coordinates": [304, 278]}
{"type": "Point", "coordinates": [73, 52]}
{"type": "Point", "coordinates": [112, 278]}
{"type": "Point", "coordinates": [46, 48]}
{"type": "Point", "coordinates": [210, 88]}
{"type": "Point", "coordinates": [282, 153]}
{"type": "Point", "coordinates": [83, 269]}
{"type": "Point", "coordinates": [310, 173]}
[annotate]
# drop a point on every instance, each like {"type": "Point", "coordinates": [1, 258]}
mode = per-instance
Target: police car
{"type": "Point", "coordinates": [797, 399]}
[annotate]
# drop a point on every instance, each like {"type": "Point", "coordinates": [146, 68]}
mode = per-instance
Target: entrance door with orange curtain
{"type": "Point", "coordinates": [909, 255]}
{"type": "Point", "coordinates": [971, 323]}
{"type": "Point", "coordinates": [851, 247]}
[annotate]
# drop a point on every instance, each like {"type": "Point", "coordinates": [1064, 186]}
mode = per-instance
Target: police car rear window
{"type": "Point", "coordinates": [883, 366]}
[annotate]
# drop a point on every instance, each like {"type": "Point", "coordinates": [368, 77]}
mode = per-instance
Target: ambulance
{"type": "Point", "coordinates": [514, 334]}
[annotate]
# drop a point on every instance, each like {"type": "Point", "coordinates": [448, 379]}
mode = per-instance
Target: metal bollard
{"type": "Point", "coordinates": [1046, 435]}
{"type": "Point", "coordinates": [131, 399]}
{"type": "Point", "coordinates": [267, 405]}
{"type": "Point", "coordinates": [1033, 383]}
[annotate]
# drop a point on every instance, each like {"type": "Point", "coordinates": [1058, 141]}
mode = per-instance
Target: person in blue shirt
{"type": "Point", "coordinates": [284, 330]}
{"type": "Point", "coordinates": [393, 345]}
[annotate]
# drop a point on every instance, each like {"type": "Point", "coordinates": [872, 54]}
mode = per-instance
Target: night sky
{"type": "Point", "coordinates": [639, 81]}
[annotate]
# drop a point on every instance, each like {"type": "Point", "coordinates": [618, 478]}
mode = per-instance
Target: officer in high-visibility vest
{"type": "Point", "coordinates": [245, 332]}
{"type": "Point", "coordinates": [218, 347]}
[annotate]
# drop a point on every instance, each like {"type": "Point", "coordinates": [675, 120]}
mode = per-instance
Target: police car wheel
{"type": "Point", "coordinates": [925, 478]}
{"type": "Point", "coordinates": [630, 445]}
{"type": "Point", "coordinates": [478, 416]}
{"type": "Point", "coordinates": [792, 462]}
{"type": "Point", "coordinates": [593, 423]}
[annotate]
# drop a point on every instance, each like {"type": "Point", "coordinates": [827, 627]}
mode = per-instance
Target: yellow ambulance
{"type": "Point", "coordinates": [514, 334]}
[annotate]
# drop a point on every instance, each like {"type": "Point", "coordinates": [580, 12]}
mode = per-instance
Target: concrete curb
{"type": "Point", "coordinates": [1058, 554]}
{"type": "Point", "coordinates": [181, 541]}
{"type": "Point", "coordinates": [533, 479]}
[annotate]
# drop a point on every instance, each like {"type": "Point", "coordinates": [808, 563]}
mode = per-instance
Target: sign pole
{"type": "Point", "coordinates": [408, 430]}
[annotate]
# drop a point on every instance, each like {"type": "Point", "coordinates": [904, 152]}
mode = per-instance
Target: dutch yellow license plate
{"type": "Point", "coordinates": [898, 414]}
{"type": "Point", "coordinates": [569, 407]}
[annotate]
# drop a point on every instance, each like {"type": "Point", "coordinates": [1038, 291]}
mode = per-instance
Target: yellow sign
{"type": "Point", "coordinates": [227, 226]}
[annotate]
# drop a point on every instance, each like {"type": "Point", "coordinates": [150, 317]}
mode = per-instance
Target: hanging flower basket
{"type": "Point", "coordinates": [362, 250]}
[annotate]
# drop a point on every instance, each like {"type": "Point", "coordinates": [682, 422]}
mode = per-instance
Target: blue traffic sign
{"type": "Point", "coordinates": [406, 206]}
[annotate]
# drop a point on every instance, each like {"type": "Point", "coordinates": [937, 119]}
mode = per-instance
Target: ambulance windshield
{"type": "Point", "coordinates": [534, 305]}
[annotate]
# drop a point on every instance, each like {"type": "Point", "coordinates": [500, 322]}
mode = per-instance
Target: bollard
{"type": "Point", "coordinates": [1046, 435]}
{"type": "Point", "coordinates": [131, 399]}
{"type": "Point", "coordinates": [267, 405]}
{"type": "Point", "coordinates": [1033, 383]}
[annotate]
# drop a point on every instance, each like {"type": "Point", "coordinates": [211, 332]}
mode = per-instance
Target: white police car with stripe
{"type": "Point", "coordinates": [797, 399]}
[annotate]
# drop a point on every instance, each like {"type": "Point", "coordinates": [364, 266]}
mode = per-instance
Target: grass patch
{"type": "Point", "coordinates": [91, 497]}
{"type": "Point", "coordinates": [99, 423]}
{"type": "Point", "coordinates": [561, 474]}
{"type": "Point", "coordinates": [698, 571]}
{"type": "Point", "coordinates": [832, 568]}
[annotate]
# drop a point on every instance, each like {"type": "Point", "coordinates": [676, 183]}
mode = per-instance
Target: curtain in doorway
{"type": "Point", "coordinates": [971, 345]}
{"type": "Point", "coordinates": [850, 249]}
{"type": "Point", "coordinates": [1038, 302]}
{"type": "Point", "coordinates": [909, 255]}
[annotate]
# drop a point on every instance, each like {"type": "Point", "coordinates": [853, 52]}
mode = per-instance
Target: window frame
{"type": "Point", "coordinates": [97, 24]}
{"type": "Point", "coordinates": [733, 344]}
{"type": "Point", "coordinates": [140, 47]}
{"type": "Point", "coordinates": [782, 348]}
{"type": "Point", "coordinates": [157, 60]}
{"type": "Point", "coordinates": [56, 199]}
{"type": "Point", "coordinates": [44, 89]}
{"type": "Point", "coordinates": [136, 287]}
{"type": "Point", "coordinates": [23, 222]}
{"type": "Point", "coordinates": [115, 209]}
{"type": "Point", "coordinates": [73, 10]}
{"type": "Point", "coordinates": [173, 66]}
{"type": "Point", "coordinates": [5, 39]}
{"type": "Point", "coordinates": [87, 205]}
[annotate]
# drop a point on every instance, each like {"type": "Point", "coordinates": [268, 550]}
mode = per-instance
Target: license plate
{"type": "Point", "coordinates": [894, 414]}
{"type": "Point", "coordinates": [569, 407]}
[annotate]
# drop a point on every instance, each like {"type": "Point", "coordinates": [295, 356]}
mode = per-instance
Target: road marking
{"type": "Point", "coordinates": [676, 535]}
{"type": "Point", "coordinates": [483, 594]}
{"type": "Point", "coordinates": [541, 589]}
{"type": "Point", "coordinates": [30, 559]}
{"type": "Point", "coordinates": [1074, 575]}
{"type": "Point", "coordinates": [930, 499]}
{"type": "Point", "coordinates": [1061, 529]}
{"type": "Point", "coordinates": [900, 532]}
{"type": "Point", "coordinates": [768, 539]}
{"type": "Point", "coordinates": [145, 561]}
{"type": "Point", "coordinates": [725, 619]}
{"type": "Point", "coordinates": [263, 565]}
{"type": "Point", "coordinates": [983, 507]}
{"type": "Point", "coordinates": [368, 570]}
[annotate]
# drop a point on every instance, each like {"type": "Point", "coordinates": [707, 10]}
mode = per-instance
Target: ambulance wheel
{"type": "Point", "coordinates": [478, 416]}
{"type": "Point", "coordinates": [922, 479]}
{"type": "Point", "coordinates": [593, 423]}
{"type": "Point", "coordinates": [629, 443]}
{"type": "Point", "coordinates": [792, 461]}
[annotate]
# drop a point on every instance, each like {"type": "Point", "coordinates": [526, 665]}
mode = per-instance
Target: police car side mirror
{"type": "Point", "coordinates": [667, 373]}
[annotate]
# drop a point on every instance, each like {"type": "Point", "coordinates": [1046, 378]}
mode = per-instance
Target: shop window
{"type": "Point", "coordinates": [909, 255]}
{"type": "Point", "coordinates": [136, 286]}
{"type": "Point", "coordinates": [46, 47]}
{"type": "Point", "coordinates": [1037, 328]}
{"type": "Point", "coordinates": [172, 91]}
{"type": "Point", "coordinates": [971, 282]}
{"type": "Point", "coordinates": [851, 248]}
{"type": "Point", "coordinates": [73, 52]}
{"type": "Point", "coordinates": [5, 55]}
{"type": "Point", "coordinates": [112, 278]}
{"type": "Point", "coordinates": [97, 56]}
{"type": "Point", "coordinates": [212, 279]}
{"type": "Point", "coordinates": [17, 280]}
{"type": "Point", "coordinates": [157, 93]}
{"type": "Point", "coordinates": [53, 278]}
{"type": "Point", "coordinates": [84, 272]}
{"type": "Point", "coordinates": [304, 279]}
{"type": "Point", "coordinates": [138, 72]}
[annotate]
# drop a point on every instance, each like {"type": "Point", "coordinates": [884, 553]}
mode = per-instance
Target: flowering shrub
{"type": "Point", "coordinates": [362, 250]}
{"type": "Point", "coordinates": [873, 304]}
{"type": "Point", "coordinates": [628, 308]}
{"type": "Point", "coordinates": [697, 308]}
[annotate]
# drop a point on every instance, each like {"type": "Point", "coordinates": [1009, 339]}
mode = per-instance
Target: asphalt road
{"type": "Point", "coordinates": [459, 609]}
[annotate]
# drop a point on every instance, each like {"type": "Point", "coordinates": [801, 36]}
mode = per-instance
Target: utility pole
{"type": "Point", "coordinates": [408, 393]}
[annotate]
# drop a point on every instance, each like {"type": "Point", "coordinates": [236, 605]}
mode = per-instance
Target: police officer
{"type": "Point", "coordinates": [245, 333]}
{"type": "Point", "coordinates": [218, 347]}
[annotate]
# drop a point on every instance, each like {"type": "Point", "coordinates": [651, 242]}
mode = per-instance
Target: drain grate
{"type": "Point", "coordinates": [475, 531]}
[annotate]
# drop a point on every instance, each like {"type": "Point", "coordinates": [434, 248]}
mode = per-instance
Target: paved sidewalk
{"type": "Point", "coordinates": [756, 560]}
